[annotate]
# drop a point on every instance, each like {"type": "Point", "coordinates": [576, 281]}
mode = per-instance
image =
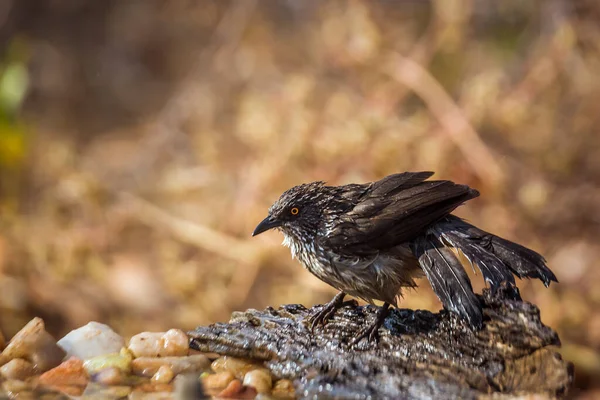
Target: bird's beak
{"type": "Point", "coordinates": [265, 225]}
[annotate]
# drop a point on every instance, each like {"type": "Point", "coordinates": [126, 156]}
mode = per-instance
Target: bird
{"type": "Point", "coordinates": [373, 239]}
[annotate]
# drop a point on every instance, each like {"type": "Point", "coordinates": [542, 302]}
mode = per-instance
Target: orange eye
{"type": "Point", "coordinates": [294, 211]}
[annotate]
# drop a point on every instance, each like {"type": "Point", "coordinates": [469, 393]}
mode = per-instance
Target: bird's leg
{"type": "Point", "coordinates": [325, 313]}
{"type": "Point", "coordinates": [371, 331]}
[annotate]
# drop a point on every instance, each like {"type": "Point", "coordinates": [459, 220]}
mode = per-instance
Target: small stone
{"type": "Point", "coordinates": [120, 360]}
{"type": "Point", "coordinates": [34, 344]}
{"type": "Point", "coordinates": [163, 375]}
{"type": "Point", "coordinates": [235, 390]}
{"type": "Point", "coordinates": [148, 366]}
{"type": "Point", "coordinates": [259, 379]}
{"type": "Point", "coordinates": [138, 395]}
{"type": "Point", "coordinates": [219, 380]}
{"type": "Point", "coordinates": [17, 368]}
{"type": "Point", "coordinates": [284, 388]}
{"type": "Point", "coordinates": [69, 377]}
{"type": "Point", "coordinates": [13, 386]}
{"type": "Point", "coordinates": [238, 366]}
{"type": "Point", "coordinates": [154, 387]}
{"type": "Point", "coordinates": [100, 392]}
{"type": "Point", "coordinates": [172, 343]}
{"type": "Point", "coordinates": [91, 340]}
{"type": "Point", "coordinates": [110, 376]}
{"type": "Point", "coordinates": [70, 390]}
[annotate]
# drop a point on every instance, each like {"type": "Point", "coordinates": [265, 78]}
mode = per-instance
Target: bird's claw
{"type": "Point", "coordinates": [321, 317]}
{"type": "Point", "coordinates": [324, 314]}
{"type": "Point", "coordinates": [371, 333]}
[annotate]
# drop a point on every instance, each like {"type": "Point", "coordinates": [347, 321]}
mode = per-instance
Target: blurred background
{"type": "Point", "coordinates": [141, 141]}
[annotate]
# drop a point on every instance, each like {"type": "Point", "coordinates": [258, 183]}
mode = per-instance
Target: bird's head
{"type": "Point", "coordinates": [297, 213]}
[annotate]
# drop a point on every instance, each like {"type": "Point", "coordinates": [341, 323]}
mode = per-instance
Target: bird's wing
{"type": "Point", "coordinates": [395, 210]}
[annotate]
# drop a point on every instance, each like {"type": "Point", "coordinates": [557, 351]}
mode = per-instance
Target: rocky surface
{"type": "Point", "coordinates": [94, 362]}
{"type": "Point", "coordinates": [271, 355]}
{"type": "Point", "coordinates": [419, 355]}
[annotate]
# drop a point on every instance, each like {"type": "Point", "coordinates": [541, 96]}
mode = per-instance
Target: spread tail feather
{"type": "Point", "coordinates": [448, 278]}
{"type": "Point", "coordinates": [497, 258]}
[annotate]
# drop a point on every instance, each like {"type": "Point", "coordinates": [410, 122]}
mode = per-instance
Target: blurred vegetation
{"type": "Point", "coordinates": [141, 142]}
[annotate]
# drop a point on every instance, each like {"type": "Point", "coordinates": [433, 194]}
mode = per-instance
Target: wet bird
{"type": "Point", "coordinates": [371, 240]}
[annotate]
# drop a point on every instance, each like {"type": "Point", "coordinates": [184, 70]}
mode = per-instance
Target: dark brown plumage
{"type": "Point", "coordinates": [371, 240]}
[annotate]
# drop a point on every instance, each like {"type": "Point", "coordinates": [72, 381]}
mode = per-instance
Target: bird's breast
{"type": "Point", "coordinates": [311, 256]}
{"type": "Point", "coordinates": [377, 277]}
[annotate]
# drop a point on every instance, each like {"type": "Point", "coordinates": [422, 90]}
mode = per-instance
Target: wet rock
{"type": "Point", "coordinates": [148, 366]}
{"type": "Point", "coordinates": [284, 388]}
{"type": "Point", "coordinates": [70, 377]}
{"type": "Point", "coordinates": [172, 343]}
{"type": "Point", "coordinates": [91, 340]}
{"type": "Point", "coordinates": [121, 361]}
{"type": "Point", "coordinates": [259, 379]}
{"type": "Point", "coordinates": [151, 387]}
{"type": "Point", "coordinates": [164, 374]}
{"type": "Point", "coordinates": [35, 345]}
{"type": "Point", "coordinates": [17, 368]}
{"type": "Point", "coordinates": [13, 387]}
{"type": "Point", "coordinates": [235, 390]}
{"type": "Point", "coordinates": [419, 354]}
{"type": "Point", "coordinates": [218, 381]}
{"type": "Point", "coordinates": [110, 376]}
{"type": "Point", "coordinates": [101, 392]}
{"type": "Point", "coordinates": [239, 367]}
{"type": "Point", "coordinates": [138, 395]}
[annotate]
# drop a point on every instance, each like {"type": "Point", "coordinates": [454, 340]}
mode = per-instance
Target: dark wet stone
{"type": "Point", "coordinates": [419, 355]}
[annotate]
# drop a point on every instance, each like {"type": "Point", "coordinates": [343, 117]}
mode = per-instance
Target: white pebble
{"type": "Point", "coordinates": [91, 340]}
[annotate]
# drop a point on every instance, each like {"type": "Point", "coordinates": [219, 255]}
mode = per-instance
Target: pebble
{"type": "Point", "coordinates": [235, 390]}
{"type": "Point", "coordinates": [172, 343]}
{"type": "Point", "coordinates": [69, 377]}
{"type": "Point", "coordinates": [148, 366]}
{"type": "Point", "coordinates": [100, 392]}
{"type": "Point", "coordinates": [284, 388]}
{"type": "Point", "coordinates": [154, 387]}
{"type": "Point", "coordinates": [137, 395]}
{"type": "Point", "coordinates": [17, 368]}
{"type": "Point", "coordinates": [163, 375]}
{"type": "Point", "coordinates": [218, 380]}
{"type": "Point", "coordinates": [259, 379]}
{"type": "Point", "coordinates": [91, 340]}
{"type": "Point", "coordinates": [110, 376]}
{"type": "Point", "coordinates": [13, 386]}
{"type": "Point", "coordinates": [238, 366]}
{"type": "Point", "coordinates": [34, 344]}
{"type": "Point", "coordinates": [120, 360]}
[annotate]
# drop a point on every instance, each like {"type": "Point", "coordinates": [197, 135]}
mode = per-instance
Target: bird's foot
{"type": "Point", "coordinates": [371, 332]}
{"type": "Point", "coordinates": [324, 314]}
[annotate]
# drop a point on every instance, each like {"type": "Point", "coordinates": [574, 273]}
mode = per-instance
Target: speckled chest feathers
{"type": "Point", "coordinates": [322, 212]}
